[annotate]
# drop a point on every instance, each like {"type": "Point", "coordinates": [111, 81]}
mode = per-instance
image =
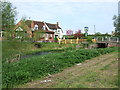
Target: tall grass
{"type": "Point", "coordinates": [11, 48]}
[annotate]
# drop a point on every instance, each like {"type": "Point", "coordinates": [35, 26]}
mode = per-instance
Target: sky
{"type": "Point", "coordinates": [71, 14]}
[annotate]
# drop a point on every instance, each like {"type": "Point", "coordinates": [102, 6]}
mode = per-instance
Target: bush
{"type": "Point", "coordinates": [38, 45]}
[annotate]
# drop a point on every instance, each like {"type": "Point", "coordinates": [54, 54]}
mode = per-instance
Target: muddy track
{"type": "Point", "coordinates": [99, 72]}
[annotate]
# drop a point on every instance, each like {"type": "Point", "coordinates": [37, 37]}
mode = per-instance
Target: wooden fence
{"type": "Point", "coordinates": [73, 41]}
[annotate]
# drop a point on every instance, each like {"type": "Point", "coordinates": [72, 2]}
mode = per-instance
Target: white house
{"type": "Point", "coordinates": [55, 28]}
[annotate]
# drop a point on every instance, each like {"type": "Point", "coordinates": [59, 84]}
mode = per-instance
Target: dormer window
{"type": "Point", "coordinates": [44, 28]}
{"type": "Point", "coordinates": [36, 27]}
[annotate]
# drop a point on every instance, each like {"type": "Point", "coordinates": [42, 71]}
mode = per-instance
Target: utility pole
{"type": "Point", "coordinates": [95, 33]}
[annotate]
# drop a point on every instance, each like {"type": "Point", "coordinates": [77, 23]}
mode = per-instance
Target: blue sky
{"type": "Point", "coordinates": [71, 14]}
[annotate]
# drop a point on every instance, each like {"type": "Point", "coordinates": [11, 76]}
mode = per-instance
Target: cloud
{"type": "Point", "coordinates": [71, 15]}
{"type": "Point", "coordinates": [64, 0]}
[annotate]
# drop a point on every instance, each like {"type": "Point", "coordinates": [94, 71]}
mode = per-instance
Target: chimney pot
{"type": "Point", "coordinates": [58, 23]}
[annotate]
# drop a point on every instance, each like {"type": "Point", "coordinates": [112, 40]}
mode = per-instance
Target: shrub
{"type": "Point", "coordinates": [38, 44]}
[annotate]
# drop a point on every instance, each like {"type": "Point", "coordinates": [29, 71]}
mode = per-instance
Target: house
{"type": "Point", "coordinates": [44, 31]}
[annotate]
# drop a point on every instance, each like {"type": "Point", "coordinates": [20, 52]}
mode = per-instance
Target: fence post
{"type": "Point", "coordinates": [59, 40]}
{"type": "Point", "coordinates": [65, 41]}
{"type": "Point", "coordinates": [71, 41]}
{"type": "Point", "coordinates": [77, 40]}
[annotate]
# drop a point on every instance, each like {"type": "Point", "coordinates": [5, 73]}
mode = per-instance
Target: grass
{"type": "Point", "coordinates": [93, 77]}
{"type": "Point", "coordinates": [106, 67]}
{"type": "Point", "coordinates": [10, 49]}
{"type": "Point", "coordinates": [35, 67]}
{"type": "Point", "coordinates": [39, 66]}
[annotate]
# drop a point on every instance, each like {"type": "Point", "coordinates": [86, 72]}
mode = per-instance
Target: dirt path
{"type": "Point", "coordinates": [99, 72]}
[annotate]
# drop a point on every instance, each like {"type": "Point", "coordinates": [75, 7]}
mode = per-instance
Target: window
{"type": "Point", "coordinates": [19, 29]}
{"type": "Point", "coordinates": [58, 30]}
{"type": "Point", "coordinates": [51, 35]}
{"type": "Point", "coordinates": [47, 35]}
{"type": "Point", "coordinates": [36, 27]}
{"type": "Point", "coordinates": [18, 35]}
{"type": "Point", "coordinates": [44, 28]}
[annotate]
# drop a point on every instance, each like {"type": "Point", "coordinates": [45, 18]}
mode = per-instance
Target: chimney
{"type": "Point", "coordinates": [57, 23]}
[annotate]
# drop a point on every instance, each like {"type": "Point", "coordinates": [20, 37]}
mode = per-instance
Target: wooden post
{"type": "Point", "coordinates": [71, 41]}
{"type": "Point", "coordinates": [65, 41]}
{"type": "Point", "coordinates": [59, 40]}
{"type": "Point", "coordinates": [77, 40]}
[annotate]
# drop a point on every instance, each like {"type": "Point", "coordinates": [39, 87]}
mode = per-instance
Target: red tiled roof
{"type": "Point", "coordinates": [53, 26]}
{"type": "Point", "coordinates": [40, 24]}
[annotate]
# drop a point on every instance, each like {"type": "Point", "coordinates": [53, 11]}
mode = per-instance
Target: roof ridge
{"type": "Point", "coordinates": [35, 20]}
{"type": "Point", "coordinates": [51, 23]}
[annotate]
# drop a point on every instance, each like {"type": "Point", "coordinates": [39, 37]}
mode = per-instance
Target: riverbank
{"type": "Point", "coordinates": [14, 49]}
{"type": "Point", "coordinates": [98, 72]}
{"type": "Point", "coordinates": [29, 69]}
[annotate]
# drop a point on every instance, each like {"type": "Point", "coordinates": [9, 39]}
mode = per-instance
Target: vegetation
{"type": "Point", "coordinates": [39, 66]}
{"type": "Point", "coordinates": [88, 74]}
{"type": "Point", "coordinates": [117, 25]}
{"type": "Point", "coordinates": [11, 49]}
{"type": "Point", "coordinates": [8, 14]}
{"type": "Point", "coordinates": [8, 18]}
{"type": "Point", "coordinates": [28, 69]}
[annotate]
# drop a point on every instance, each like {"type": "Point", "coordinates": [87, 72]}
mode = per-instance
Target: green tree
{"type": "Point", "coordinates": [23, 35]}
{"type": "Point", "coordinates": [116, 25]}
{"type": "Point", "coordinates": [8, 14]}
{"type": "Point", "coordinates": [98, 34]}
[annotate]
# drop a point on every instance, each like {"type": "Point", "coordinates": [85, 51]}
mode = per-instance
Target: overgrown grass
{"type": "Point", "coordinates": [11, 48]}
{"type": "Point", "coordinates": [39, 66]}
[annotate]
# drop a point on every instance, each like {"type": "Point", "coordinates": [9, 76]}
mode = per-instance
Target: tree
{"type": "Point", "coordinates": [22, 35]}
{"type": "Point", "coordinates": [8, 14]}
{"type": "Point", "coordinates": [69, 32]}
{"type": "Point", "coordinates": [116, 25]}
{"type": "Point", "coordinates": [98, 34]}
{"type": "Point", "coordinates": [78, 34]}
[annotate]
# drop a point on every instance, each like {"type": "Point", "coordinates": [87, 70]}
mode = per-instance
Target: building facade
{"type": "Point", "coordinates": [44, 31]}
